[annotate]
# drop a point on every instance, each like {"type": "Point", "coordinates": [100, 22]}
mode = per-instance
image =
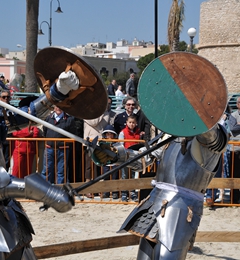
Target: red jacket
{"type": "Point", "coordinates": [26, 146]}
{"type": "Point", "coordinates": [128, 134]}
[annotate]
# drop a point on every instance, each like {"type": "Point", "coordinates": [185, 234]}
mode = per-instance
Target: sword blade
{"type": "Point", "coordinates": [103, 176]}
{"type": "Point", "coordinates": [42, 122]}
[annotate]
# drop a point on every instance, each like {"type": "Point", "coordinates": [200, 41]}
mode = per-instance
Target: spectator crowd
{"type": "Point", "coordinates": [58, 160]}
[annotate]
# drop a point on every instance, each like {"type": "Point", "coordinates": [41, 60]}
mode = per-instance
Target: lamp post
{"type": "Point", "coordinates": [21, 55]}
{"type": "Point", "coordinates": [156, 27]}
{"type": "Point", "coordinates": [192, 33]}
{"type": "Point", "coordinates": [40, 32]}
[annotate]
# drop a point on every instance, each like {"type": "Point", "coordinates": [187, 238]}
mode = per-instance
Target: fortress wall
{"type": "Point", "coordinates": [219, 38]}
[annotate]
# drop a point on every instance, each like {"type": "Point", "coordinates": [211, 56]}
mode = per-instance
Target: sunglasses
{"type": "Point", "coordinates": [5, 97]}
{"type": "Point", "coordinates": [130, 104]}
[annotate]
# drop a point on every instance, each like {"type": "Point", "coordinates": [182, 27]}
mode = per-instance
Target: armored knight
{"type": "Point", "coordinates": [167, 220]}
{"type": "Point", "coordinates": [62, 88]}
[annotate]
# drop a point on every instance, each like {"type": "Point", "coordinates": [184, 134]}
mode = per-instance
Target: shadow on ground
{"type": "Point", "coordinates": [198, 251]}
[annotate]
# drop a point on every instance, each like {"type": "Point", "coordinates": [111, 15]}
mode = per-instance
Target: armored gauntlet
{"type": "Point", "coordinates": [36, 188]}
{"type": "Point", "coordinates": [104, 154]}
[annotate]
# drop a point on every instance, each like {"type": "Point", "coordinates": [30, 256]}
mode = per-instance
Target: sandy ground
{"type": "Point", "coordinates": [88, 221]}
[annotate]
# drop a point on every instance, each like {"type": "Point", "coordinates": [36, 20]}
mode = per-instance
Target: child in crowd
{"type": "Point", "coordinates": [110, 133]}
{"type": "Point", "coordinates": [131, 131]}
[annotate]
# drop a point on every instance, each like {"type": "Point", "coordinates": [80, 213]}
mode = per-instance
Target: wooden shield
{"type": "Point", "coordinates": [182, 94]}
{"type": "Point", "coordinates": [90, 101]}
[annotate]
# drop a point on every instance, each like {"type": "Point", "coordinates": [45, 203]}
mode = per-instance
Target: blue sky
{"type": "Point", "coordinates": [84, 21]}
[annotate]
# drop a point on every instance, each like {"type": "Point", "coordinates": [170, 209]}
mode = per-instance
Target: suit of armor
{"type": "Point", "coordinates": [168, 219]}
{"type": "Point", "coordinates": [15, 228]}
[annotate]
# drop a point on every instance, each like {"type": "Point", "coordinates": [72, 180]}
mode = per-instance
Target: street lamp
{"type": "Point", "coordinates": [156, 27]}
{"type": "Point", "coordinates": [20, 46]}
{"type": "Point", "coordinates": [21, 55]}
{"type": "Point", "coordinates": [191, 33]}
{"type": "Point", "coordinates": [40, 32]}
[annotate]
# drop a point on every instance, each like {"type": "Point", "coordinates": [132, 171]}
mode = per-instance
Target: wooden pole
{"type": "Point", "coordinates": [43, 252]}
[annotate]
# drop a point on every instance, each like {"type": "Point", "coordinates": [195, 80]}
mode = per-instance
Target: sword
{"type": "Point", "coordinates": [103, 176]}
{"type": "Point", "coordinates": [90, 145]}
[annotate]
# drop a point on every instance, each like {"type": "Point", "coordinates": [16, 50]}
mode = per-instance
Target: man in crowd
{"type": "Point", "coordinates": [2, 83]}
{"type": "Point", "coordinates": [5, 97]}
{"type": "Point", "coordinates": [111, 89]}
{"type": "Point", "coordinates": [130, 86]}
{"type": "Point", "coordinates": [236, 153]}
{"type": "Point", "coordinates": [59, 152]}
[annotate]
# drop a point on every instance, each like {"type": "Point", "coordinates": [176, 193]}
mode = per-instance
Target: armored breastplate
{"type": "Point", "coordinates": [183, 170]}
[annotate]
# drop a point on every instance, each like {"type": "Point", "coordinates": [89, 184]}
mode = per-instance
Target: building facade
{"type": "Point", "coordinates": [10, 67]}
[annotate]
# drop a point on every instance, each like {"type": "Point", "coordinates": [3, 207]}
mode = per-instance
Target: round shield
{"type": "Point", "coordinates": [182, 94]}
{"type": "Point", "coordinates": [88, 103]}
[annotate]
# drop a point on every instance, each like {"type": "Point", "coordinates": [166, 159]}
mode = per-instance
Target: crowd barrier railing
{"type": "Point", "coordinates": [102, 192]}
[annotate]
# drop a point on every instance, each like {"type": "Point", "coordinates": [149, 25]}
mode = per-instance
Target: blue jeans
{"type": "Point", "coordinates": [125, 175]}
{"type": "Point", "coordinates": [48, 171]}
{"type": "Point", "coordinates": [115, 176]}
{"type": "Point", "coordinates": [212, 193]}
{"type": "Point", "coordinates": [226, 162]}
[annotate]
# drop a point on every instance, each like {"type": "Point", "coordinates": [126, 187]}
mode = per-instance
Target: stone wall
{"type": "Point", "coordinates": [219, 38]}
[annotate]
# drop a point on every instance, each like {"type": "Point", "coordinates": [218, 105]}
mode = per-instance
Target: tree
{"type": "Point", "coordinates": [31, 43]}
{"type": "Point", "coordinates": [144, 61]}
{"type": "Point", "coordinates": [182, 46]}
{"type": "Point", "coordinates": [175, 24]}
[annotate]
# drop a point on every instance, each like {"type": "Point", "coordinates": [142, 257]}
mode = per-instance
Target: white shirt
{"type": "Point", "coordinates": [58, 117]}
{"type": "Point", "coordinates": [119, 93]}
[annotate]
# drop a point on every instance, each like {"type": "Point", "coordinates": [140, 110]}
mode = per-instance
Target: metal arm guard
{"type": "Point", "coordinates": [141, 164]}
{"type": "Point", "coordinates": [215, 139]}
{"type": "Point", "coordinates": [41, 107]}
{"type": "Point", "coordinates": [36, 188]}
{"type": "Point", "coordinates": [123, 155]}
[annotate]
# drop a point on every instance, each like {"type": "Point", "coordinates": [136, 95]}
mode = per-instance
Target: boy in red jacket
{"type": "Point", "coordinates": [132, 132]}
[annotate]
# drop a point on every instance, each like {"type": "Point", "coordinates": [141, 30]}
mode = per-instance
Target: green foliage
{"type": "Point", "coordinates": [121, 79]}
{"type": "Point", "coordinates": [104, 76]}
{"type": "Point", "coordinates": [163, 49]}
{"type": "Point", "coordinates": [144, 61]}
{"type": "Point", "coordinates": [23, 80]}
{"type": "Point", "coordinates": [194, 50]}
{"type": "Point", "coordinates": [182, 46]}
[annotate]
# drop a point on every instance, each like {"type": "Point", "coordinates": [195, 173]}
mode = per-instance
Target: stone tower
{"type": "Point", "coordinates": [219, 38]}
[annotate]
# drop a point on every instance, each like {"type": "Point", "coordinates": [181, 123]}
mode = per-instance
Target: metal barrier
{"type": "Point", "coordinates": [117, 104]}
{"type": "Point", "coordinates": [18, 96]}
{"type": "Point", "coordinates": [229, 182]}
{"type": "Point", "coordinates": [74, 172]}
